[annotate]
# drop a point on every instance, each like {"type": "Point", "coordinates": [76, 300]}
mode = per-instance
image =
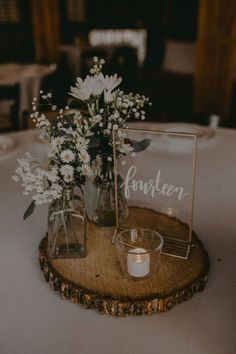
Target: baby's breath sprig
{"type": "Point", "coordinates": [97, 67]}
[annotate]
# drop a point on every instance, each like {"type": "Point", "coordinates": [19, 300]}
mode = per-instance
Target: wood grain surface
{"type": "Point", "coordinates": [98, 282]}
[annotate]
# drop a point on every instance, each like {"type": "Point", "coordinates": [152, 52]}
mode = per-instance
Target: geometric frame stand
{"type": "Point", "coordinates": [97, 281]}
{"type": "Point", "coordinates": [134, 185]}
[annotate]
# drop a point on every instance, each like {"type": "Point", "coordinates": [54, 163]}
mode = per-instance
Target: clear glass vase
{"type": "Point", "coordinates": [67, 227]}
{"type": "Point", "coordinates": [100, 202]}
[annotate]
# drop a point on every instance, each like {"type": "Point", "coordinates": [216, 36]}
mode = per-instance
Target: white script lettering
{"type": "Point", "coordinates": [150, 186]}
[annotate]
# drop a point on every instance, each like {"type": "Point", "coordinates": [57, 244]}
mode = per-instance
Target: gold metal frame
{"type": "Point", "coordinates": [173, 247]}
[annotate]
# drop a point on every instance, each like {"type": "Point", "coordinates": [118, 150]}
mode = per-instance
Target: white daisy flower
{"type": "Point", "coordinates": [59, 140]}
{"type": "Point", "coordinates": [84, 156]}
{"type": "Point", "coordinates": [91, 85]}
{"type": "Point", "coordinates": [67, 156]}
{"type": "Point", "coordinates": [67, 170]}
{"type": "Point", "coordinates": [82, 91]}
{"type": "Point", "coordinates": [112, 82]}
{"type": "Point", "coordinates": [98, 84]}
{"type": "Point", "coordinates": [68, 178]}
{"type": "Point", "coordinates": [52, 175]}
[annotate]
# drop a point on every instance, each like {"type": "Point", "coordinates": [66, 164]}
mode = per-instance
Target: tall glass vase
{"type": "Point", "coordinates": [100, 204]}
{"type": "Point", "coordinates": [66, 227]}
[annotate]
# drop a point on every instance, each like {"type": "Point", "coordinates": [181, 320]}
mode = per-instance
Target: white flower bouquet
{"type": "Point", "coordinates": [80, 141]}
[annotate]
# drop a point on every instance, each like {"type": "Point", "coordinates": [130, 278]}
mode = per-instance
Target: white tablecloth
{"type": "Point", "coordinates": [28, 76]}
{"type": "Point", "coordinates": [35, 320]}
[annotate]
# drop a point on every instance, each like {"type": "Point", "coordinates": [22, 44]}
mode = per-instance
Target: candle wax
{"type": "Point", "coordinates": [138, 262]}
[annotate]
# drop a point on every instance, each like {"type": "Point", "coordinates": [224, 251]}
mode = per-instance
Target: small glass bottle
{"type": "Point", "coordinates": [67, 227]}
{"type": "Point", "coordinates": [100, 202]}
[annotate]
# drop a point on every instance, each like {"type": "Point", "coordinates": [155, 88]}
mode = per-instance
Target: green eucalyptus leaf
{"type": "Point", "coordinates": [140, 145]}
{"type": "Point", "coordinates": [29, 210]}
{"type": "Point", "coordinates": [94, 141]}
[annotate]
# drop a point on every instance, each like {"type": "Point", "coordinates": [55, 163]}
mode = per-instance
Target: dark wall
{"type": "Point", "coordinates": [163, 19]}
{"type": "Point", "coordinates": [123, 13]}
{"type": "Point", "coordinates": [177, 18]}
{"type": "Point", "coordinates": [16, 38]}
{"type": "Point", "coordinates": [174, 18]}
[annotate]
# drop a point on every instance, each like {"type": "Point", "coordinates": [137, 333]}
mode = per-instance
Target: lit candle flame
{"type": "Point", "coordinates": [138, 258]}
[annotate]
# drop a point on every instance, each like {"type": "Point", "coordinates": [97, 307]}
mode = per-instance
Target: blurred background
{"type": "Point", "coordinates": [180, 53]}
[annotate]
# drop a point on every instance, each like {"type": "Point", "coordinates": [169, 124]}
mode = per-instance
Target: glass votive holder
{"type": "Point", "coordinates": [138, 252]}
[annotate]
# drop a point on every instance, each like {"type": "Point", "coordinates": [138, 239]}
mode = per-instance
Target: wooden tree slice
{"type": "Point", "coordinates": [97, 280]}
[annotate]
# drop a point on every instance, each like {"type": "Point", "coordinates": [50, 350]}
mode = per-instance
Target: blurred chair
{"type": "Point", "coordinates": [177, 81]}
{"type": "Point", "coordinates": [111, 38]}
{"type": "Point", "coordinates": [171, 88]}
{"type": "Point", "coordinates": [9, 107]}
{"type": "Point", "coordinates": [179, 57]}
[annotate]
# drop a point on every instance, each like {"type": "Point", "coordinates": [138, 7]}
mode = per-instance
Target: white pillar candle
{"type": "Point", "coordinates": [138, 262]}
